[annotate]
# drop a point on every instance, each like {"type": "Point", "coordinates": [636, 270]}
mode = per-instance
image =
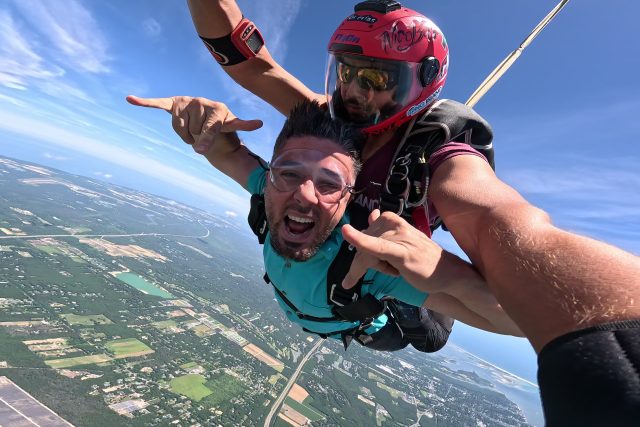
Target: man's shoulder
{"type": "Point", "coordinates": [449, 150]}
{"type": "Point", "coordinates": [257, 180]}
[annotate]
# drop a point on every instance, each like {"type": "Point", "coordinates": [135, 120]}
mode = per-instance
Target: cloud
{"type": "Point", "coordinates": [103, 175]}
{"type": "Point", "coordinates": [19, 60]}
{"type": "Point", "coordinates": [151, 27]}
{"type": "Point", "coordinates": [56, 135]}
{"type": "Point", "coordinates": [275, 19]}
{"type": "Point", "coordinates": [12, 100]}
{"type": "Point", "coordinates": [55, 157]}
{"type": "Point", "coordinates": [231, 214]}
{"type": "Point", "coordinates": [69, 32]}
{"type": "Point", "coordinates": [576, 182]}
{"type": "Point", "coordinates": [63, 90]}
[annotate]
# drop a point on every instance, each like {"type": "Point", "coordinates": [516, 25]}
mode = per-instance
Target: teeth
{"type": "Point", "coordinates": [300, 219]}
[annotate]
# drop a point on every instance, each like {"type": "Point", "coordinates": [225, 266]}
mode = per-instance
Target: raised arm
{"type": "Point", "coordinates": [210, 128]}
{"type": "Point", "coordinates": [260, 75]}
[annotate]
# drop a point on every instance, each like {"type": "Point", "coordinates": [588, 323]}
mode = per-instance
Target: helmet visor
{"type": "Point", "coordinates": [368, 91]}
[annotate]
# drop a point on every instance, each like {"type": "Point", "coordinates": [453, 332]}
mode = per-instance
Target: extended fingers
{"type": "Point", "coordinates": [165, 104]}
{"type": "Point", "coordinates": [374, 215]}
{"type": "Point", "coordinates": [180, 124]}
{"type": "Point", "coordinates": [363, 262]}
{"type": "Point", "coordinates": [236, 124]}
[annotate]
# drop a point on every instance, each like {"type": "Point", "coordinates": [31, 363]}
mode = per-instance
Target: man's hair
{"type": "Point", "coordinates": [309, 119]}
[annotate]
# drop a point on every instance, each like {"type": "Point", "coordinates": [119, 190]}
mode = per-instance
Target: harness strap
{"type": "Point", "coordinates": [336, 294]}
{"type": "Point", "coordinates": [258, 218]}
{"type": "Point", "coordinates": [366, 308]}
{"type": "Point", "coordinates": [298, 313]}
{"type": "Point", "coordinates": [350, 304]}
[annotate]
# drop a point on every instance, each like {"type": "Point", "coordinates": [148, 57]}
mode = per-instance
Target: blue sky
{"type": "Point", "coordinates": [564, 116]}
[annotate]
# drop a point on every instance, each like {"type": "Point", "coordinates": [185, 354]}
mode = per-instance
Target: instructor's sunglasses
{"type": "Point", "coordinates": [367, 78]}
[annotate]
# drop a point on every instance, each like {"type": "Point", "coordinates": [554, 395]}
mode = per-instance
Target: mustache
{"type": "Point", "coordinates": [355, 102]}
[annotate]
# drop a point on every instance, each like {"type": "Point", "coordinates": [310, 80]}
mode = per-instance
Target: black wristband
{"type": "Point", "coordinates": [244, 42]}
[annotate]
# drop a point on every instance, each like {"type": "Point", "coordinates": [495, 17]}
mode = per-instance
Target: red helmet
{"type": "Point", "coordinates": [386, 64]}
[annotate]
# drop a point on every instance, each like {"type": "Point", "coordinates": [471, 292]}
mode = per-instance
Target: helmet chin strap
{"type": "Point", "coordinates": [502, 68]}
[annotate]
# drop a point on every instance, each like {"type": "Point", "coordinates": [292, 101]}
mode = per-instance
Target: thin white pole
{"type": "Point", "coordinates": [512, 57]}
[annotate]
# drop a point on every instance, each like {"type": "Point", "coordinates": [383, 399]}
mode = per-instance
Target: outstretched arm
{"type": "Point", "coordinates": [210, 128]}
{"type": "Point", "coordinates": [261, 75]}
{"type": "Point", "coordinates": [549, 281]}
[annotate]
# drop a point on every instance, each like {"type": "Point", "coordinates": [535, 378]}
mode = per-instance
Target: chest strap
{"type": "Point", "coordinates": [297, 312]}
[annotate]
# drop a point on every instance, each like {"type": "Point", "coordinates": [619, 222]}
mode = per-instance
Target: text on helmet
{"type": "Point", "coordinates": [368, 19]}
{"type": "Point", "coordinates": [402, 37]}
{"type": "Point", "coordinates": [347, 38]}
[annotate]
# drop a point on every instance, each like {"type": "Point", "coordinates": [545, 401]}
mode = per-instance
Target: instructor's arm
{"type": "Point", "coordinates": [549, 281]}
{"type": "Point", "coordinates": [261, 75]}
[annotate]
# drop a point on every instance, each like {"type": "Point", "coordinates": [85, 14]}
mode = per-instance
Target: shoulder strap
{"type": "Point", "coordinates": [258, 218]}
{"type": "Point", "coordinates": [336, 294]}
{"type": "Point", "coordinates": [350, 304]}
{"type": "Point", "coordinates": [408, 178]}
{"type": "Point", "coordinates": [458, 123]}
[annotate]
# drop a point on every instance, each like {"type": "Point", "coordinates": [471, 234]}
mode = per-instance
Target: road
{"type": "Point", "coordinates": [292, 381]}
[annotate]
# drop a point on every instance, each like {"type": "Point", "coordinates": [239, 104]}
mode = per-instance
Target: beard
{"type": "Point", "coordinates": [296, 251]}
{"type": "Point", "coordinates": [369, 113]}
{"type": "Point", "coordinates": [362, 119]}
{"type": "Point", "coordinates": [293, 250]}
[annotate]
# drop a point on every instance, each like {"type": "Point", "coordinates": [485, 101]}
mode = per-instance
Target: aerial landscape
{"type": "Point", "coordinates": [118, 307]}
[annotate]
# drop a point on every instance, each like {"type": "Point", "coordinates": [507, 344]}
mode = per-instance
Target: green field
{"type": "Point", "coordinates": [189, 365]}
{"type": "Point", "coordinates": [191, 385]}
{"type": "Point", "coordinates": [274, 378]}
{"type": "Point", "coordinates": [76, 361]}
{"type": "Point", "coordinates": [142, 285]}
{"type": "Point", "coordinates": [88, 320]}
{"type": "Point", "coordinates": [165, 324]}
{"type": "Point", "coordinates": [48, 249]}
{"type": "Point", "coordinates": [305, 410]}
{"type": "Point", "coordinates": [392, 391]}
{"type": "Point", "coordinates": [225, 387]}
{"type": "Point", "coordinates": [127, 346]}
{"type": "Point", "coordinates": [374, 377]}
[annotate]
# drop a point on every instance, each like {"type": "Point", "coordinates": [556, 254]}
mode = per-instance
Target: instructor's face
{"type": "Point", "coordinates": [306, 195]}
{"type": "Point", "coordinates": [364, 91]}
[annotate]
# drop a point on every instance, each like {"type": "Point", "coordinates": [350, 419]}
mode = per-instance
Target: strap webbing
{"type": "Point", "coordinates": [298, 313]}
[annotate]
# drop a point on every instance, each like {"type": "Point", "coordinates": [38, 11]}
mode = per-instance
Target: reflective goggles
{"type": "Point", "coordinates": [294, 168]}
{"type": "Point", "coordinates": [367, 78]}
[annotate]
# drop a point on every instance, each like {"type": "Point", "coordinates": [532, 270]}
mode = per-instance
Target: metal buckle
{"type": "Point", "coordinates": [391, 203]}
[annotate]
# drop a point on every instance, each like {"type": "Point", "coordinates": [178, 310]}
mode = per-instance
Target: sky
{"type": "Point", "coordinates": [564, 116]}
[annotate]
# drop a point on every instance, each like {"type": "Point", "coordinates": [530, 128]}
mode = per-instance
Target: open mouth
{"type": "Point", "coordinates": [298, 228]}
